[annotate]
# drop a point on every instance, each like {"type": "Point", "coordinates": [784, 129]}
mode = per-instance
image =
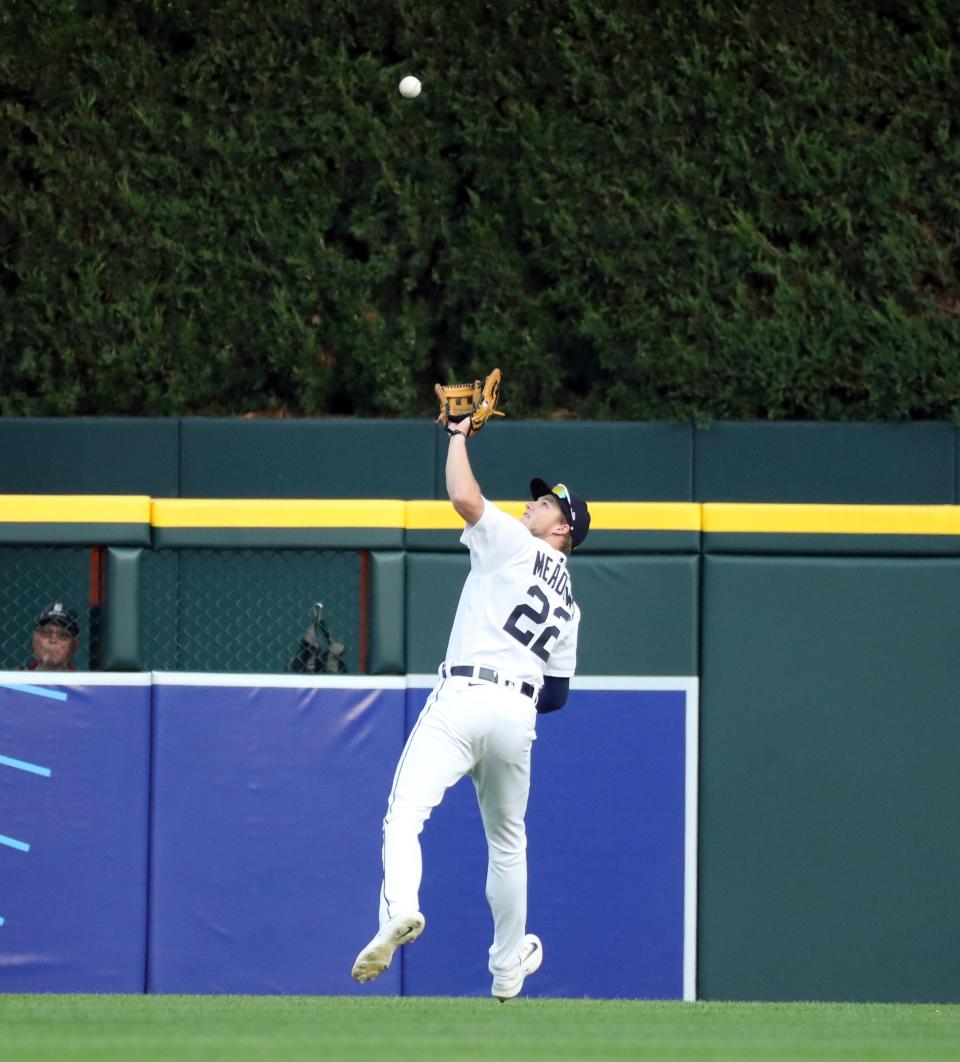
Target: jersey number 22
{"type": "Point", "coordinates": [536, 616]}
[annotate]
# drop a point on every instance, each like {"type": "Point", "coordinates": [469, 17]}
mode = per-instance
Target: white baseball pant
{"type": "Point", "coordinates": [467, 726]}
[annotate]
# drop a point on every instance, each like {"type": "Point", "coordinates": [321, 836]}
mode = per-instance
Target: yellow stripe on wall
{"type": "Point", "coordinates": [74, 509]}
{"type": "Point", "coordinates": [441, 515]}
{"type": "Point", "coordinates": [712, 517]}
{"type": "Point", "coordinates": [832, 519]}
{"type": "Point", "coordinates": [252, 512]}
{"type": "Point", "coordinates": [604, 516]}
{"type": "Point", "coordinates": [644, 516]}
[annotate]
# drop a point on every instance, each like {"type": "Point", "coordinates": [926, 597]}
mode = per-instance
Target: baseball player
{"type": "Point", "coordinates": [511, 654]}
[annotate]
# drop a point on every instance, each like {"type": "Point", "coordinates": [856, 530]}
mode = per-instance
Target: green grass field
{"type": "Point", "coordinates": [248, 1028]}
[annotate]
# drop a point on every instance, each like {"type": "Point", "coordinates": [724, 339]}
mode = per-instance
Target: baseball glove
{"type": "Point", "coordinates": [478, 401]}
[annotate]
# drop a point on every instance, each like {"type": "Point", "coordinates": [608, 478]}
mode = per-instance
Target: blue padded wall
{"type": "Point", "coordinates": [245, 856]}
{"type": "Point", "coordinates": [266, 816]}
{"type": "Point", "coordinates": [606, 857]}
{"type": "Point", "coordinates": [74, 770]}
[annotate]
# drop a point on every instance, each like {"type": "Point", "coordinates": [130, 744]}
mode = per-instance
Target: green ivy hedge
{"type": "Point", "coordinates": [706, 210]}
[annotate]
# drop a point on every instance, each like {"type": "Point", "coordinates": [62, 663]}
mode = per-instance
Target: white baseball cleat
{"type": "Point", "coordinates": [376, 956]}
{"type": "Point", "coordinates": [531, 955]}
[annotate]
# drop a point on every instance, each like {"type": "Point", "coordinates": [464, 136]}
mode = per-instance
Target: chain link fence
{"type": "Point", "coordinates": [32, 577]}
{"type": "Point", "coordinates": [253, 610]}
{"type": "Point", "coordinates": [217, 610]}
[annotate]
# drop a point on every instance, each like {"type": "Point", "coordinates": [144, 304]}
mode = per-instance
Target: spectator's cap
{"type": "Point", "coordinates": [64, 617]}
{"type": "Point", "coordinates": [573, 506]}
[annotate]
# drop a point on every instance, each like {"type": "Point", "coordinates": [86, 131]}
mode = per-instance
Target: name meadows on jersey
{"type": "Point", "coordinates": [557, 579]}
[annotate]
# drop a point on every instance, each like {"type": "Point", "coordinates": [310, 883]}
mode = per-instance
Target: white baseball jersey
{"type": "Point", "coordinates": [516, 612]}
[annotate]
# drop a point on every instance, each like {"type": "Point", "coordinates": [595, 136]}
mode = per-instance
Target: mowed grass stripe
{"type": "Point", "coordinates": [250, 1028]}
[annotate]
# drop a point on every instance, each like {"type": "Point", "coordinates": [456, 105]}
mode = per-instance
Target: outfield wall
{"type": "Point", "coordinates": [221, 834]}
{"type": "Point", "coordinates": [822, 639]}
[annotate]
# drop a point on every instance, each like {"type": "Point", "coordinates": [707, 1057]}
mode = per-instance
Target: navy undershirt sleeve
{"type": "Point", "coordinates": [553, 695]}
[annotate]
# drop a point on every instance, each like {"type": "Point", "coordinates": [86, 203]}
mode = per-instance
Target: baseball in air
{"type": "Point", "coordinates": [410, 86]}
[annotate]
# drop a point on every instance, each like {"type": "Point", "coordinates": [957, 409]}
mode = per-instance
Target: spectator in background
{"type": "Point", "coordinates": [55, 639]}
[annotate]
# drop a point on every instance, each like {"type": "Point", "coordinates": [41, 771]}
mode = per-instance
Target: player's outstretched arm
{"type": "Point", "coordinates": [462, 486]}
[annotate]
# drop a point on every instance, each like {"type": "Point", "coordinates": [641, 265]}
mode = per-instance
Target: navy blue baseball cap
{"type": "Point", "coordinates": [573, 506]}
{"type": "Point", "coordinates": [62, 616]}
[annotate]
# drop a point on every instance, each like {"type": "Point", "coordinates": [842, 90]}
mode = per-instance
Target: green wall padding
{"type": "Point", "coordinates": [639, 614]}
{"type": "Point", "coordinates": [387, 633]}
{"type": "Point", "coordinates": [829, 785]}
{"type": "Point", "coordinates": [625, 461]}
{"type": "Point", "coordinates": [121, 648]}
{"type": "Point", "coordinates": [306, 458]}
{"type": "Point", "coordinates": [904, 463]}
{"type": "Point", "coordinates": [879, 464]}
{"type": "Point", "coordinates": [89, 455]}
